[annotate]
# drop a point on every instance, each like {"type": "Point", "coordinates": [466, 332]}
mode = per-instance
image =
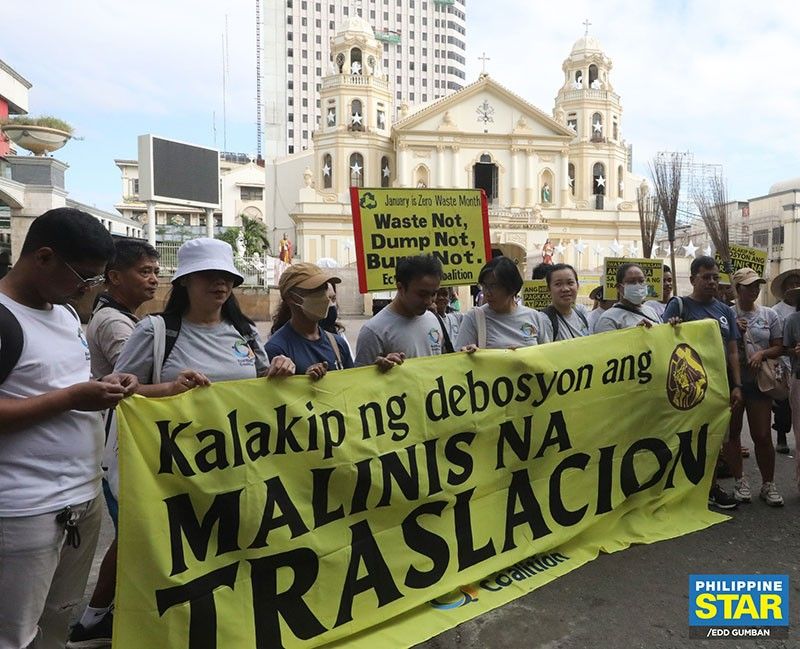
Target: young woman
{"type": "Point", "coordinates": [565, 319]}
{"type": "Point", "coordinates": [307, 296]}
{"type": "Point", "coordinates": [215, 341]}
{"type": "Point", "coordinates": [761, 339]}
{"type": "Point", "coordinates": [501, 323]}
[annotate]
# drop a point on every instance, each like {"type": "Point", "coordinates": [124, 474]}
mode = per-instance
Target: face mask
{"type": "Point", "coordinates": [315, 305]}
{"type": "Point", "coordinates": [635, 293]}
{"type": "Point", "coordinates": [329, 321]}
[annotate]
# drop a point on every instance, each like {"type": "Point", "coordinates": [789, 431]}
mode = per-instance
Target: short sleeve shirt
{"type": "Point", "coordinates": [305, 353]}
{"type": "Point", "coordinates": [621, 318]}
{"type": "Point", "coordinates": [522, 327]}
{"type": "Point", "coordinates": [713, 310]}
{"type": "Point", "coordinates": [575, 325]}
{"type": "Point", "coordinates": [391, 332]}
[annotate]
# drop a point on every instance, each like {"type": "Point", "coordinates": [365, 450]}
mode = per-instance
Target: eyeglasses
{"type": "Point", "coordinates": [87, 282]}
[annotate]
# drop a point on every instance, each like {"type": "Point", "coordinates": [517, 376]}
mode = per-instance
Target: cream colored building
{"type": "Point", "coordinates": [241, 193]}
{"type": "Point", "coordinates": [563, 176]}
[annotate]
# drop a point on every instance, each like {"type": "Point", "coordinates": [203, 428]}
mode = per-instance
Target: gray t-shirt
{"type": "Point", "coordinates": [391, 332]}
{"type": "Point", "coordinates": [571, 326]}
{"type": "Point", "coordinates": [620, 318]}
{"type": "Point", "coordinates": [784, 311]}
{"type": "Point", "coordinates": [763, 325]}
{"type": "Point", "coordinates": [106, 334]}
{"type": "Point", "coordinates": [218, 351]}
{"type": "Point", "coordinates": [522, 327]}
{"type": "Point", "coordinates": [657, 307]}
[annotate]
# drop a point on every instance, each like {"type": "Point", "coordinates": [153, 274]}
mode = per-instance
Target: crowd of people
{"type": "Point", "coordinates": [59, 385]}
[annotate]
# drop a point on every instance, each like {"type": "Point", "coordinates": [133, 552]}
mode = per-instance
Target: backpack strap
{"type": "Point", "coordinates": [448, 343]}
{"type": "Point", "coordinates": [332, 340]}
{"type": "Point", "coordinates": [551, 313]}
{"type": "Point", "coordinates": [581, 317]}
{"type": "Point", "coordinates": [480, 322]}
{"type": "Point", "coordinates": [172, 327]}
{"type": "Point", "coordinates": [681, 305]}
{"type": "Point", "coordinates": [11, 341]}
{"type": "Point", "coordinates": [159, 342]}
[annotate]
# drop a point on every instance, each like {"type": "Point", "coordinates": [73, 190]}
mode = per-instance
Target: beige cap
{"type": "Point", "coordinates": [306, 276]}
{"type": "Point", "coordinates": [746, 276]}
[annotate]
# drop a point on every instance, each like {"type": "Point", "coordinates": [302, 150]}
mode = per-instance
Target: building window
{"type": "Point", "coordinates": [386, 172]}
{"type": "Point", "coordinates": [327, 171]}
{"type": "Point", "coordinates": [571, 177]}
{"type": "Point", "coordinates": [599, 179]}
{"type": "Point", "coordinates": [356, 170]}
{"type": "Point", "coordinates": [761, 239]}
{"type": "Point", "coordinates": [252, 193]}
{"type": "Point", "coordinates": [620, 182]}
{"type": "Point", "coordinates": [356, 116]}
{"type": "Point", "coordinates": [597, 127]}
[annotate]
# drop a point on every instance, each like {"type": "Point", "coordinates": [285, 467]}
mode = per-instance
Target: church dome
{"type": "Point", "coordinates": [785, 185]}
{"type": "Point", "coordinates": [358, 25]}
{"type": "Point", "coordinates": [586, 43]}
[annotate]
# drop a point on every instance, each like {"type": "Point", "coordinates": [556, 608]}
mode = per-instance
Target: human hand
{"type": "Point", "coordinates": [95, 395]}
{"type": "Point", "coordinates": [128, 381]}
{"type": "Point", "coordinates": [755, 360]}
{"type": "Point", "coordinates": [674, 321]}
{"type": "Point", "coordinates": [187, 380]}
{"type": "Point", "coordinates": [281, 366]}
{"type": "Point", "coordinates": [737, 398]}
{"type": "Point", "coordinates": [742, 322]}
{"type": "Point", "coordinates": [391, 359]}
{"type": "Point", "coordinates": [470, 349]}
{"type": "Point", "coordinates": [318, 370]}
{"type": "Point", "coordinates": [645, 323]}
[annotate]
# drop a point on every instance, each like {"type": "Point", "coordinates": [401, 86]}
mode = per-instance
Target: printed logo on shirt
{"type": "Point", "coordinates": [528, 330]}
{"type": "Point", "coordinates": [85, 343]}
{"type": "Point", "coordinates": [435, 339]}
{"type": "Point", "coordinates": [244, 354]}
{"type": "Point", "coordinates": [723, 323]}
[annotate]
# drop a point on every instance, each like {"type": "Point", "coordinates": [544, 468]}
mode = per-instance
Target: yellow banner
{"type": "Point", "coordinates": [369, 510]}
{"type": "Point", "coordinates": [451, 224]}
{"type": "Point", "coordinates": [653, 270]}
{"type": "Point", "coordinates": [743, 257]}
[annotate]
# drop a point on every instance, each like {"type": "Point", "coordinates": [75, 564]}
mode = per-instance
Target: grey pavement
{"type": "Point", "coordinates": [637, 598]}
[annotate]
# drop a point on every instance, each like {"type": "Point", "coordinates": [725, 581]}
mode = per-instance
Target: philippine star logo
{"type": "Point", "coordinates": [738, 606]}
{"type": "Point", "coordinates": [687, 380]}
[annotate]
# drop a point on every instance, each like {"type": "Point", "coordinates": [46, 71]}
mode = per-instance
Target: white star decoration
{"type": "Point", "coordinates": [599, 250]}
{"type": "Point", "coordinates": [386, 171]}
{"type": "Point", "coordinates": [655, 249]}
{"type": "Point", "coordinates": [326, 170]}
{"type": "Point", "coordinates": [707, 250]}
{"type": "Point", "coordinates": [615, 248]}
{"type": "Point", "coordinates": [355, 67]}
{"type": "Point", "coordinates": [598, 127]}
{"type": "Point", "coordinates": [560, 249]}
{"type": "Point", "coordinates": [356, 169]}
{"type": "Point", "coordinates": [690, 249]}
{"type": "Point", "coordinates": [331, 116]}
{"type": "Point", "coordinates": [634, 249]}
{"type": "Point", "coordinates": [580, 247]}
{"type": "Point", "coordinates": [571, 181]}
{"type": "Point", "coordinates": [357, 118]}
{"type": "Point", "coordinates": [667, 250]}
{"type": "Point", "coordinates": [601, 182]}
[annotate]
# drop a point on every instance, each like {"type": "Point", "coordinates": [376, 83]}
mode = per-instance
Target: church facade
{"type": "Point", "coordinates": [559, 181]}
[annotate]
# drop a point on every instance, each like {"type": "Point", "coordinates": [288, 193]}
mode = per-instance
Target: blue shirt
{"type": "Point", "coordinates": [304, 352]}
{"type": "Point", "coordinates": [714, 310]}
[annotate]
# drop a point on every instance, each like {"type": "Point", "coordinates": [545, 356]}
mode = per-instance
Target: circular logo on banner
{"type": "Point", "coordinates": [687, 380]}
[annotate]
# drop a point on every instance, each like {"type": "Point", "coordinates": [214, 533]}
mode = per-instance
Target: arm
{"type": "Point", "coordinates": [111, 336]}
{"type": "Point", "coordinates": [733, 368]}
{"type": "Point", "coordinates": [467, 332]}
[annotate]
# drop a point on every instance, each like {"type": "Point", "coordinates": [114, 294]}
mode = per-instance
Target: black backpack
{"type": "Point", "coordinates": [551, 313]}
{"type": "Point", "coordinates": [12, 339]}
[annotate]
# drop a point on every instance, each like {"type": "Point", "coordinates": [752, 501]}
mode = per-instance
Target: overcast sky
{"type": "Point", "coordinates": [718, 79]}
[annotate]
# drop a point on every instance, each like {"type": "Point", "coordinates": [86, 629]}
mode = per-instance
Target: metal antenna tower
{"type": "Point", "coordinates": [259, 107]}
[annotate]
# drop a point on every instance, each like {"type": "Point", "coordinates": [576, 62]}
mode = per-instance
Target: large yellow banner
{"type": "Point", "coordinates": [371, 510]}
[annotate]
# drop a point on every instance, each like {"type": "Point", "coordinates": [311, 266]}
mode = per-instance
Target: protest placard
{"type": "Point", "coordinates": [535, 294]}
{"type": "Point", "coordinates": [653, 270]}
{"type": "Point", "coordinates": [451, 224]}
{"type": "Point", "coordinates": [743, 257]}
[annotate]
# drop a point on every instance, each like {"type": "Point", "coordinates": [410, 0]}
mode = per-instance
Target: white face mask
{"type": "Point", "coordinates": [314, 305]}
{"type": "Point", "coordinates": [634, 293]}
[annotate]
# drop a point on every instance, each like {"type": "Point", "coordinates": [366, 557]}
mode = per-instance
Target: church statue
{"type": "Point", "coordinates": [546, 193]}
{"type": "Point", "coordinates": [240, 244]}
{"type": "Point", "coordinates": [547, 252]}
{"type": "Point", "coordinates": [285, 250]}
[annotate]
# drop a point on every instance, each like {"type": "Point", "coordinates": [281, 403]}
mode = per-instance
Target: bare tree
{"type": "Point", "coordinates": [713, 207]}
{"type": "Point", "coordinates": [649, 218]}
{"type": "Point", "coordinates": [666, 170]}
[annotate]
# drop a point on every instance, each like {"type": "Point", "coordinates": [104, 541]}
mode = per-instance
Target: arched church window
{"type": "Point", "coordinates": [386, 172]}
{"type": "Point", "coordinates": [486, 158]}
{"type": "Point", "coordinates": [578, 79]}
{"type": "Point", "coordinates": [597, 127]}
{"type": "Point", "coordinates": [327, 171]}
{"type": "Point", "coordinates": [421, 176]}
{"type": "Point", "coordinates": [571, 177]}
{"type": "Point", "coordinates": [592, 74]}
{"type": "Point", "coordinates": [340, 62]}
{"type": "Point", "coordinates": [356, 170]}
{"type": "Point", "coordinates": [599, 179]}
{"type": "Point", "coordinates": [330, 118]}
{"type": "Point", "coordinates": [356, 66]}
{"type": "Point", "coordinates": [620, 182]}
{"type": "Point", "coordinates": [380, 118]}
{"type": "Point", "coordinates": [572, 122]}
{"type": "Point", "coordinates": [356, 116]}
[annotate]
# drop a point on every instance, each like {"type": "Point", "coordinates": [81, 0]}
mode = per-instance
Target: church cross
{"type": "Point", "coordinates": [484, 58]}
{"type": "Point", "coordinates": [586, 23]}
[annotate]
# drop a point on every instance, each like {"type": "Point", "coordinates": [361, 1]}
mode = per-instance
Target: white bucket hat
{"type": "Point", "coordinates": [206, 254]}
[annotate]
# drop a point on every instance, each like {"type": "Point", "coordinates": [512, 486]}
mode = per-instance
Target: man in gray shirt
{"type": "Point", "coordinates": [405, 328]}
{"type": "Point", "coordinates": [630, 310]}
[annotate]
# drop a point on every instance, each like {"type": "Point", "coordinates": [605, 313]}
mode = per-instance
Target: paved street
{"type": "Point", "coordinates": [638, 598]}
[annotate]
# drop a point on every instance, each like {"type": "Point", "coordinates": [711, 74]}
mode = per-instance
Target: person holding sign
{"type": "Point", "coordinates": [406, 328]}
{"type": "Point", "coordinates": [501, 323]}
{"type": "Point", "coordinates": [761, 339]}
{"type": "Point", "coordinates": [630, 311]}
{"type": "Point", "coordinates": [566, 320]}
{"type": "Point", "coordinates": [202, 336]}
{"type": "Point", "coordinates": [306, 297]}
